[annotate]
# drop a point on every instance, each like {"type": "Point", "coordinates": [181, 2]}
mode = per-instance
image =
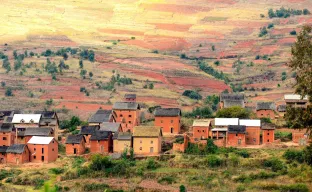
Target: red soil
{"type": "Point", "coordinates": [172, 26]}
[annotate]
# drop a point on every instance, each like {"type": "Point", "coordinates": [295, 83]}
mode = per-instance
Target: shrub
{"type": "Point", "coordinates": [213, 161]}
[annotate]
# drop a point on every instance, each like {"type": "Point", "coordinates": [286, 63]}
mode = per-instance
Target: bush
{"type": "Point", "coordinates": [275, 164]}
{"type": "Point", "coordinates": [213, 161]}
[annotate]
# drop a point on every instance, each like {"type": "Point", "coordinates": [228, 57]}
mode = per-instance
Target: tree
{"type": "Point", "coordinates": [234, 112]}
{"type": "Point", "coordinates": [301, 64]}
{"type": "Point", "coordinates": [81, 64]}
{"type": "Point", "coordinates": [8, 92]}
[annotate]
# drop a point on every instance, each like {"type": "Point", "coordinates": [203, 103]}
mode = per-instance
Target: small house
{"type": "Point", "coordinates": [236, 136]}
{"type": "Point", "coordinates": [201, 129]}
{"type": "Point", "coordinates": [7, 134]}
{"type": "Point", "coordinates": [122, 141]}
{"type": "Point", "coordinates": [147, 140]}
{"type": "Point", "coordinates": [17, 154]}
{"type": "Point", "coordinates": [75, 145]}
{"type": "Point", "coordinates": [169, 119]}
{"type": "Point", "coordinates": [130, 98]}
{"type": "Point", "coordinates": [101, 142]}
{"type": "Point", "coordinates": [266, 110]}
{"type": "Point", "coordinates": [252, 130]}
{"type": "Point", "coordinates": [43, 149]}
{"type": "Point", "coordinates": [88, 131]}
{"type": "Point", "coordinates": [232, 99]}
{"type": "Point", "coordinates": [102, 116]}
{"type": "Point", "coordinates": [128, 114]}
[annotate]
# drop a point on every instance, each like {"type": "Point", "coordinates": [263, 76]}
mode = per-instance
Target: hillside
{"type": "Point", "coordinates": [156, 40]}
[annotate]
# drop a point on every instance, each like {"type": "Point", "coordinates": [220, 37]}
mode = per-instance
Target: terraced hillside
{"type": "Point", "coordinates": [163, 41]}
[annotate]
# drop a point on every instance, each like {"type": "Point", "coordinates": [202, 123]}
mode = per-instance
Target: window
{"type": "Point", "coordinates": [151, 142]}
{"type": "Point", "coordinates": [171, 121]}
{"type": "Point", "coordinates": [140, 148]}
{"type": "Point", "coordinates": [4, 138]}
{"type": "Point", "coordinates": [35, 157]}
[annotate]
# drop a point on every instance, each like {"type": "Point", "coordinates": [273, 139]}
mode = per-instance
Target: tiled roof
{"type": "Point", "coordinates": [236, 129]}
{"type": "Point", "coordinates": [130, 96]}
{"type": "Point", "coordinates": [147, 131]}
{"type": "Point", "coordinates": [16, 148]}
{"type": "Point", "coordinates": [232, 96]}
{"type": "Point", "coordinates": [124, 136]}
{"type": "Point", "coordinates": [126, 106]}
{"type": "Point", "coordinates": [6, 127]}
{"type": "Point", "coordinates": [46, 114]}
{"type": "Point", "coordinates": [100, 135]}
{"type": "Point", "coordinates": [88, 130]}
{"type": "Point", "coordinates": [281, 108]}
{"type": "Point", "coordinates": [40, 140]}
{"type": "Point", "coordinates": [74, 139]}
{"type": "Point", "coordinates": [3, 149]}
{"type": "Point", "coordinates": [201, 122]}
{"type": "Point", "coordinates": [100, 116]}
{"type": "Point", "coordinates": [167, 112]}
{"type": "Point", "coordinates": [108, 126]}
{"type": "Point", "coordinates": [38, 131]}
{"type": "Point", "coordinates": [266, 106]}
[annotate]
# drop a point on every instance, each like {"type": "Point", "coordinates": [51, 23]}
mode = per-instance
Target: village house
{"type": "Point", "coordinates": [128, 114]}
{"type": "Point", "coordinates": [75, 145]}
{"type": "Point", "coordinates": [232, 99]}
{"type": "Point", "coordinates": [267, 133]}
{"type": "Point", "coordinates": [220, 128]}
{"type": "Point", "coordinates": [296, 101]}
{"type": "Point", "coordinates": [201, 129]}
{"type": "Point", "coordinates": [43, 149]}
{"type": "Point", "coordinates": [102, 116]}
{"type": "Point", "coordinates": [7, 134]}
{"type": "Point", "coordinates": [236, 136]}
{"type": "Point", "coordinates": [169, 119]}
{"type": "Point", "coordinates": [266, 110]}
{"type": "Point", "coordinates": [3, 155]}
{"type": "Point", "coordinates": [87, 132]}
{"type": "Point", "coordinates": [101, 142]}
{"type": "Point", "coordinates": [122, 141]}
{"type": "Point", "coordinates": [252, 130]}
{"type": "Point", "coordinates": [42, 132]}
{"type": "Point", "coordinates": [147, 140]}
{"type": "Point", "coordinates": [130, 98]}
{"type": "Point", "coordinates": [17, 154]}
{"type": "Point", "coordinates": [112, 127]}
{"type": "Point", "coordinates": [49, 119]}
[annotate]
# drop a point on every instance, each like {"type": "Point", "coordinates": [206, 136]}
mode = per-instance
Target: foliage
{"type": "Point", "coordinates": [203, 112]}
{"type": "Point", "coordinates": [284, 13]}
{"type": "Point", "coordinates": [211, 71]}
{"type": "Point", "coordinates": [192, 94]}
{"type": "Point", "coordinates": [234, 112]}
{"type": "Point", "coordinates": [8, 92]}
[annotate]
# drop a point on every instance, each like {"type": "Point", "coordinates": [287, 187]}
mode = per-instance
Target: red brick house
{"type": "Point", "coordinates": [75, 145]}
{"type": "Point", "coordinates": [17, 154]}
{"type": "Point", "coordinates": [266, 110]}
{"type": "Point", "coordinates": [43, 149]}
{"type": "Point", "coordinates": [102, 116]}
{"type": "Point", "coordinates": [128, 114]}
{"type": "Point", "coordinates": [252, 130]}
{"type": "Point", "coordinates": [3, 155]}
{"type": "Point", "coordinates": [7, 134]}
{"type": "Point", "coordinates": [201, 129]}
{"type": "Point", "coordinates": [130, 98]}
{"type": "Point", "coordinates": [87, 132]}
{"type": "Point", "coordinates": [169, 119]}
{"type": "Point", "coordinates": [101, 142]}
{"type": "Point", "coordinates": [232, 99]}
{"type": "Point", "coordinates": [236, 136]}
{"type": "Point", "coordinates": [267, 133]}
